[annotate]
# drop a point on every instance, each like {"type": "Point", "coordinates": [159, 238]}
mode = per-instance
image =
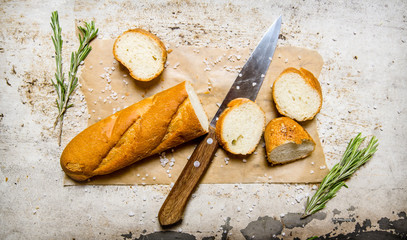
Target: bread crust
{"type": "Point", "coordinates": [309, 79]}
{"type": "Point", "coordinates": [235, 103]}
{"type": "Point", "coordinates": [284, 130]}
{"type": "Point", "coordinates": [155, 39]}
{"type": "Point", "coordinates": [148, 127]}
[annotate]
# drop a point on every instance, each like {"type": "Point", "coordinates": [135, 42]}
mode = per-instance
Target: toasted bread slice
{"type": "Point", "coordinates": [297, 94]}
{"type": "Point", "coordinates": [286, 141]}
{"type": "Point", "coordinates": [142, 53]}
{"type": "Point", "coordinates": [240, 126]}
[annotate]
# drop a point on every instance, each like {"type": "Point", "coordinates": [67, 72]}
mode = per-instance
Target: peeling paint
{"type": "Point", "coordinates": [396, 229]}
{"type": "Point", "coordinates": [292, 220]}
{"type": "Point", "coordinates": [372, 235]}
{"type": "Point", "coordinates": [166, 235]}
{"type": "Point", "coordinates": [226, 228]}
{"type": "Point", "coordinates": [336, 212]}
{"type": "Point", "coordinates": [262, 228]}
{"type": "Point", "coordinates": [399, 225]}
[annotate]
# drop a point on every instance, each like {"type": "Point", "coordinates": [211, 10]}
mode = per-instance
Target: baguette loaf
{"type": "Point", "coordinates": [297, 94]}
{"type": "Point", "coordinates": [287, 141]}
{"type": "Point", "coordinates": [240, 126]}
{"type": "Point", "coordinates": [141, 52]}
{"type": "Point", "coordinates": [153, 125]}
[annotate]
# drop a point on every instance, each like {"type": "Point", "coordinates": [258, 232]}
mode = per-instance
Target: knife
{"type": "Point", "coordinates": [246, 85]}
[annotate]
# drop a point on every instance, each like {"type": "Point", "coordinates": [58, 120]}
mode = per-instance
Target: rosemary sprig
{"type": "Point", "coordinates": [352, 159]}
{"type": "Point", "coordinates": [64, 88]}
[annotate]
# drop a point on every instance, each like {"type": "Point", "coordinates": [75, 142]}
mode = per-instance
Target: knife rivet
{"type": "Point", "coordinates": [197, 164]}
{"type": "Point", "coordinates": [237, 87]}
{"type": "Point", "coordinates": [209, 141]}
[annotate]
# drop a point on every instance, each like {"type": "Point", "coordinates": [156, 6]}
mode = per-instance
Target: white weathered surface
{"type": "Point", "coordinates": [363, 81]}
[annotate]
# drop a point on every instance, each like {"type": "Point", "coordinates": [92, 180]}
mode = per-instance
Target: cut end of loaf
{"type": "Point", "coordinates": [297, 94]}
{"type": "Point", "coordinates": [142, 53]}
{"type": "Point", "coordinates": [287, 141]}
{"type": "Point", "coordinates": [290, 151]}
{"type": "Point", "coordinates": [155, 124]}
{"type": "Point", "coordinates": [240, 126]}
{"type": "Point", "coordinates": [197, 106]}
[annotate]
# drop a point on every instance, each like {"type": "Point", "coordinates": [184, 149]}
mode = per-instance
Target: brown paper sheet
{"type": "Point", "coordinates": [108, 87]}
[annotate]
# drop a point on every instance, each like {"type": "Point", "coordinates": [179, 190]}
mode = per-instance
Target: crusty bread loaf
{"type": "Point", "coordinates": [297, 94]}
{"type": "Point", "coordinates": [240, 126]}
{"type": "Point", "coordinates": [287, 141]}
{"type": "Point", "coordinates": [153, 125]}
{"type": "Point", "coordinates": [141, 52]}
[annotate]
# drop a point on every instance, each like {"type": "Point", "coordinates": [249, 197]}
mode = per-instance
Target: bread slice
{"type": "Point", "coordinates": [286, 141]}
{"type": "Point", "coordinates": [141, 52]}
{"type": "Point", "coordinates": [240, 126]}
{"type": "Point", "coordinates": [297, 94]}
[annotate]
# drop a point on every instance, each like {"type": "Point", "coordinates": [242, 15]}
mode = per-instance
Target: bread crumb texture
{"type": "Point", "coordinates": [141, 52]}
{"type": "Point", "coordinates": [240, 126]}
{"type": "Point", "coordinates": [297, 94]}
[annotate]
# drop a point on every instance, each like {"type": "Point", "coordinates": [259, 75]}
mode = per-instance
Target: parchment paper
{"type": "Point", "coordinates": [108, 87]}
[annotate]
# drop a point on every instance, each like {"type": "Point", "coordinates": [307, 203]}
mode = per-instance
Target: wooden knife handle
{"type": "Point", "coordinates": [174, 205]}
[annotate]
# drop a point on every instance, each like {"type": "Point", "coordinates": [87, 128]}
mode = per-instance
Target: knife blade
{"type": "Point", "coordinates": [246, 85]}
{"type": "Point", "coordinates": [249, 80]}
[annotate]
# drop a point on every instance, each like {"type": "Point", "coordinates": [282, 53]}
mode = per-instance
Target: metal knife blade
{"type": "Point", "coordinates": [246, 85]}
{"type": "Point", "coordinates": [250, 78]}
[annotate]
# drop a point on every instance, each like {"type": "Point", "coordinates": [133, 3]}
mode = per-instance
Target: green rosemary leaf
{"type": "Point", "coordinates": [352, 159]}
{"type": "Point", "coordinates": [65, 87]}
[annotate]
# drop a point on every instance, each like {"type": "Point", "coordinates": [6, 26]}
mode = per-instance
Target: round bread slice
{"type": "Point", "coordinates": [286, 141]}
{"type": "Point", "coordinates": [240, 126]}
{"type": "Point", "coordinates": [142, 53]}
{"type": "Point", "coordinates": [297, 94]}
